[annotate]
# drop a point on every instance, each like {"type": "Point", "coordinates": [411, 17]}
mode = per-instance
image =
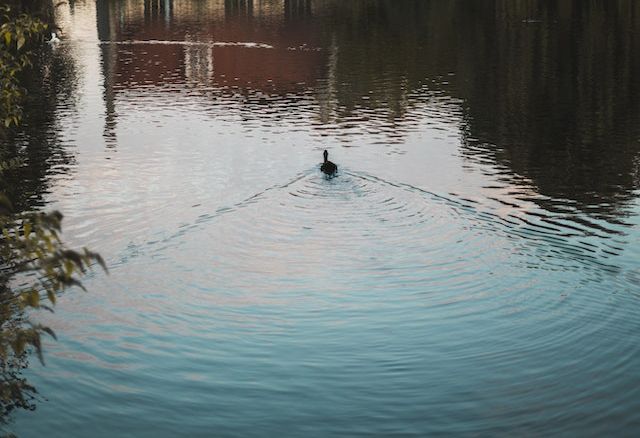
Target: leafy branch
{"type": "Point", "coordinates": [18, 34]}
{"type": "Point", "coordinates": [35, 265]}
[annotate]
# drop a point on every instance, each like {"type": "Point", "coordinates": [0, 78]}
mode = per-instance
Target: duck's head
{"type": "Point", "coordinates": [326, 155]}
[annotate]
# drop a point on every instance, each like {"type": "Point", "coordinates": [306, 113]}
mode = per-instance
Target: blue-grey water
{"type": "Point", "coordinates": [471, 271]}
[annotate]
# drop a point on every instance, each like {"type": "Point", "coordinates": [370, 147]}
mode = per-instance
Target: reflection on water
{"type": "Point", "coordinates": [40, 144]}
{"type": "Point", "coordinates": [557, 91]}
{"type": "Point", "coordinates": [471, 270]}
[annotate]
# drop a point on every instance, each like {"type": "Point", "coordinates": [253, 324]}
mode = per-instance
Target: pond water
{"type": "Point", "coordinates": [472, 269]}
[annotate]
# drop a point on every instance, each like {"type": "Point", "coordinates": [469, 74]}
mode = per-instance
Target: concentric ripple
{"type": "Point", "coordinates": [471, 271]}
{"type": "Point", "coordinates": [366, 219]}
{"type": "Point", "coordinates": [318, 286]}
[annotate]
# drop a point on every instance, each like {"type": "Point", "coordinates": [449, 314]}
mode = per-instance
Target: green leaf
{"type": "Point", "coordinates": [49, 332]}
{"type": "Point", "coordinates": [101, 262]}
{"type": "Point", "coordinates": [21, 41]}
{"type": "Point", "coordinates": [27, 229]}
{"type": "Point", "coordinates": [18, 345]}
{"type": "Point", "coordinates": [33, 298]}
{"type": "Point", "coordinates": [7, 38]}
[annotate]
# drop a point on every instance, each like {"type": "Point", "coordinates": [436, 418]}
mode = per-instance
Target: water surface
{"type": "Point", "coordinates": [472, 269]}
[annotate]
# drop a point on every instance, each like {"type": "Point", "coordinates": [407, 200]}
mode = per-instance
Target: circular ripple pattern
{"type": "Point", "coordinates": [353, 306]}
{"type": "Point", "coordinates": [323, 286]}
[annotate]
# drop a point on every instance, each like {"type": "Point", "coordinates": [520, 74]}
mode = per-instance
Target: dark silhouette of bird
{"type": "Point", "coordinates": [328, 167]}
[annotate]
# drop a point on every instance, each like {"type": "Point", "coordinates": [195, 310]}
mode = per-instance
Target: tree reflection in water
{"type": "Point", "coordinates": [546, 91]}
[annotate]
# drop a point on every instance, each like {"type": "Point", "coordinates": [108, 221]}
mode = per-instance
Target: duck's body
{"type": "Point", "coordinates": [328, 167]}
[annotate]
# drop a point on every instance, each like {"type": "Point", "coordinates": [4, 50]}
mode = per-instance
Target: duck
{"type": "Point", "coordinates": [54, 38]}
{"type": "Point", "coordinates": [328, 167]}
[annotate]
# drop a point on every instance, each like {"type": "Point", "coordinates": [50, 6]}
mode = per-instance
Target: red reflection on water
{"type": "Point", "coordinates": [154, 47]}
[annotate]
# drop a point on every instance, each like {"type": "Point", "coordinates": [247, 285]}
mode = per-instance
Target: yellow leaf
{"type": "Point", "coordinates": [47, 240]}
{"type": "Point", "coordinates": [34, 298]}
{"type": "Point", "coordinates": [52, 296]}
{"type": "Point", "coordinates": [27, 229]}
{"type": "Point", "coordinates": [68, 268]}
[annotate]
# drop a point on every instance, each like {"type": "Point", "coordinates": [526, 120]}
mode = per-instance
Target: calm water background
{"type": "Point", "coordinates": [473, 269]}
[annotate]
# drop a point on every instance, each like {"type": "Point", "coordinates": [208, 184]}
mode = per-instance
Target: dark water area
{"type": "Point", "coordinates": [472, 270]}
